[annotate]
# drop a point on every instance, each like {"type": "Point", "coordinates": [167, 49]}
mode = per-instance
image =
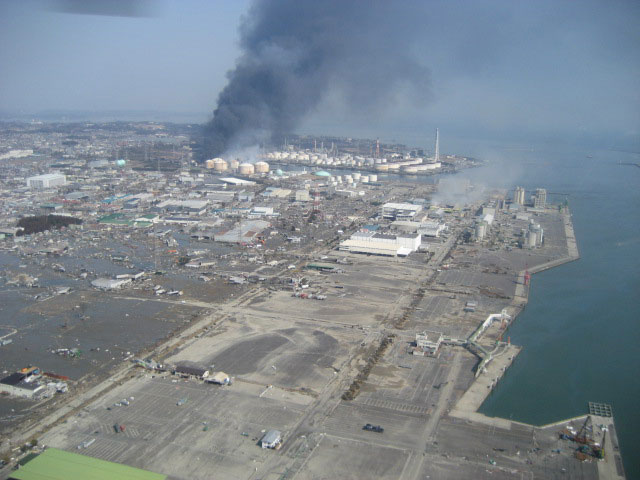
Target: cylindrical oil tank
{"type": "Point", "coordinates": [262, 167]}
{"type": "Point", "coordinates": [246, 169]}
{"type": "Point", "coordinates": [356, 175]}
{"type": "Point", "coordinates": [234, 164]}
{"type": "Point", "coordinates": [209, 163]}
{"type": "Point", "coordinates": [382, 167]}
{"type": "Point", "coordinates": [364, 178]}
{"type": "Point", "coordinates": [220, 165]}
{"type": "Point", "coordinates": [373, 177]}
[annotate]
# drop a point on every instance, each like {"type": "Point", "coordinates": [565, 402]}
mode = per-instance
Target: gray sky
{"type": "Point", "coordinates": [497, 67]}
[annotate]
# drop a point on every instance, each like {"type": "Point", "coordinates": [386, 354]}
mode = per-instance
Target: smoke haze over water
{"type": "Point", "coordinates": [295, 54]}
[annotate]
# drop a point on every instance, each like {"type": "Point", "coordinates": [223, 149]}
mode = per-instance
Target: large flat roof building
{"type": "Point", "coordinates": [191, 207]}
{"type": "Point", "coordinates": [20, 385]}
{"type": "Point", "coordinates": [49, 180]}
{"type": "Point", "coordinates": [382, 244]}
{"type": "Point", "coordinates": [192, 370]}
{"type": "Point", "coordinates": [400, 211]}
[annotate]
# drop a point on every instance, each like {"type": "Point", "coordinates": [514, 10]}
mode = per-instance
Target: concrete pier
{"type": "Point", "coordinates": [476, 394]}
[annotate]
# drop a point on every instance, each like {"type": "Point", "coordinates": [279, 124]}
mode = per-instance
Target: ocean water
{"type": "Point", "coordinates": [581, 328]}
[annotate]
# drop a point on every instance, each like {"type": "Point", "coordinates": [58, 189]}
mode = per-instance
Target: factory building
{"type": "Point", "coordinates": [20, 385]}
{"type": "Point", "coordinates": [191, 371]}
{"type": "Point", "coordinates": [244, 231]}
{"type": "Point", "coordinates": [49, 180]}
{"type": "Point", "coordinates": [534, 235]}
{"type": "Point", "coordinates": [261, 212]}
{"type": "Point", "coordinates": [382, 244]}
{"type": "Point", "coordinates": [424, 346]}
{"type": "Point", "coordinates": [518, 196]}
{"type": "Point", "coordinates": [303, 196]}
{"type": "Point", "coordinates": [219, 378]}
{"type": "Point", "coordinates": [540, 198]}
{"type": "Point", "coordinates": [272, 439]}
{"type": "Point", "coordinates": [426, 229]}
{"type": "Point", "coordinates": [481, 230]}
{"type": "Point", "coordinates": [400, 211]}
{"type": "Point", "coordinates": [189, 207]}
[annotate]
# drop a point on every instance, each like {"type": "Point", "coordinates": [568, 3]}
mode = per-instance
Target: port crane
{"type": "Point", "coordinates": [582, 436]}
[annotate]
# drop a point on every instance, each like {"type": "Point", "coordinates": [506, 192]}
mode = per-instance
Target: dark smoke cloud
{"type": "Point", "coordinates": [297, 52]}
{"type": "Point", "coordinates": [110, 8]}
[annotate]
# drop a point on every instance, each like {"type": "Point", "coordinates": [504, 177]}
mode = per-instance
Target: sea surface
{"type": "Point", "coordinates": [581, 328]}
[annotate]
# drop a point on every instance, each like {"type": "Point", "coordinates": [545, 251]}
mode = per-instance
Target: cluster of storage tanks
{"type": "Point", "coordinates": [395, 164]}
{"type": "Point", "coordinates": [352, 179]}
{"type": "Point", "coordinates": [534, 235]}
{"type": "Point", "coordinates": [245, 168]}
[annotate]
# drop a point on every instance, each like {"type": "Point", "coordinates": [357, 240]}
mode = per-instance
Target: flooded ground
{"type": "Point", "coordinates": [39, 325]}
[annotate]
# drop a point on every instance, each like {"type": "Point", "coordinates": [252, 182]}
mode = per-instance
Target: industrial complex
{"type": "Point", "coordinates": [300, 314]}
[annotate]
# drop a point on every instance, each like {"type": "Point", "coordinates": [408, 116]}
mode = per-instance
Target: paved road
{"type": "Point", "coordinates": [414, 464]}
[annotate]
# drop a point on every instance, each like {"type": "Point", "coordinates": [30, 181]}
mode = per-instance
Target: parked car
{"type": "Point", "coordinates": [373, 428]}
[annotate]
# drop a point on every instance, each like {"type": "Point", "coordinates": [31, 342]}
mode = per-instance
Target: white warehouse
{"type": "Point", "coordinates": [49, 180]}
{"type": "Point", "coordinates": [400, 211]}
{"type": "Point", "coordinates": [382, 244]}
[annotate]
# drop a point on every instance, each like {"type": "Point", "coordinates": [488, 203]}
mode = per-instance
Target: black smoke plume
{"type": "Point", "coordinates": [297, 52]}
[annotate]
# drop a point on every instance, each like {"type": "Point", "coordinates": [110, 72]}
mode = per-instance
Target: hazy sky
{"type": "Point", "coordinates": [546, 67]}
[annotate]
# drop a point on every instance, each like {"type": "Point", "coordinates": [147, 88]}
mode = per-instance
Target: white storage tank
{"type": "Point", "coordinates": [209, 163]}
{"type": "Point", "coordinates": [220, 165]}
{"type": "Point", "coordinates": [364, 178]}
{"type": "Point", "coordinates": [373, 177]}
{"type": "Point", "coordinates": [262, 167]}
{"type": "Point", "coordinates": [246, 169]}
{"type": "Point", "coordinates": [234, 164]}
{"type": "Point", "coordinates": [356, 175]}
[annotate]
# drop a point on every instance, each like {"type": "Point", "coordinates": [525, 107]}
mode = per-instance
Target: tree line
{"type": "Point", "coordinates": [40, 223]}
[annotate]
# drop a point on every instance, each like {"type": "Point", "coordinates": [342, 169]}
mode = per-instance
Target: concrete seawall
{"type": "Point", "coordinates": [572, 249]}
{"type": "Point", "coordinates": [468, 405]}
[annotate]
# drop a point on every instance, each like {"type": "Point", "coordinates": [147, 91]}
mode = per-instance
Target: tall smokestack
{"type": "Point", "coordinates": [296, 54]}
{"type": "Point", "coordinates": [436, 157]}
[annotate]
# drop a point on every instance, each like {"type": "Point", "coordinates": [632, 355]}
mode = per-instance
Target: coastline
{"type": "Point", "coordinates": [468, 405]}
{"type": "Point", "coordinates": [447, 413]}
